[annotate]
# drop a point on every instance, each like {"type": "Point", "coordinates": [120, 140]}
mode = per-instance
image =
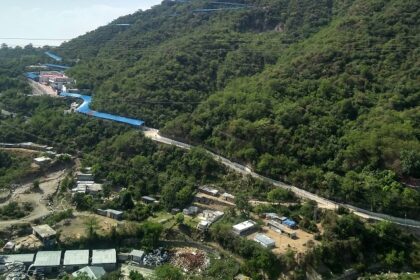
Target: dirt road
{"type": "Point", "coordinates": [39, 200]}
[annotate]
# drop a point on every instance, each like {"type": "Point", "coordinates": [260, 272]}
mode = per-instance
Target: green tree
{"type": "Point", "coordinates": [36, 186]}
{"type": "Point", "coordinates": [91, 225]}
{"type": "Point", "coordinates": [151, 234]}
{"type": "Point", "coordinates": [168, 272]}
{"type": "Point", "coordinates": [410, 162]}
{"type": "Point", "coordinates": [394, 259]}
{"type": "Point", "coordinates": [5, 160]}
{"type": "Point", "coordinates": [280, 195]}
{"type": "Point", "coordinates": [242, 203]}
{"type": "Point", "coordinates": [180, 218]}
{"type": "Point", "coordinates": [134, 275]}
{"type": "Point", "coordinates": [126, 201]}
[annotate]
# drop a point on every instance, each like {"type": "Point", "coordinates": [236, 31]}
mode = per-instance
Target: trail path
{"type": "Point", "coordinates": [39, 200]}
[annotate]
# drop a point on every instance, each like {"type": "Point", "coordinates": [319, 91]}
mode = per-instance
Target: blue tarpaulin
{"type": "Point", "coordinates": [54, 56]}
{"type": "Point", "coordinates": [84, 109]}
{"type": "Point", "coordinates": [290, 223]}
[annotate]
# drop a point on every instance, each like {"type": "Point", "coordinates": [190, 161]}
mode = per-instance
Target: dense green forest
{"type": "Point", "coordinates": [321, 94]}
{"type": "Point", "coordinates": [13, 167]}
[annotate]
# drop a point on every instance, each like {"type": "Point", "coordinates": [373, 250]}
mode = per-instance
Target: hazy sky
{"type": "Point", "coordinates": [59, 19]}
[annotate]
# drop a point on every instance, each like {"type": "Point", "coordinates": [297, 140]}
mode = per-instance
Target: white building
{"type": "Point", "coordinates": [42, 161]}
{"type": "Point", "coordinates": [192, 210]}
{"type": "Point", "coordinates": [75, 259]}
{"type": "Point", "coordinates": [212, 216]}
{"type": "Point", "coordinates": [49, 261]}
{"type": "Point", "coordinates": [105, 258]}
{"type": "Point", "coordinates": [244, 228]}
{"type": "Point", "coordinates": [137, 256]}
{"type": "Point", "coordinates": [265, 241]}
{"type": "Point", "coordinates": [203, 225]}
{"type": "Point", "coordinates": [208, 190]}
{"type": "Point", "coordinates": [26, 259]}
{"type": "Point", "coordinates": [228, 197]}
{"type": "Point", "coordinates": [45, 233]}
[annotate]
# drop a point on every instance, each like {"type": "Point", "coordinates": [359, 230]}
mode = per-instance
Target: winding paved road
{"type": "Point", "coordinates": [322, 202]}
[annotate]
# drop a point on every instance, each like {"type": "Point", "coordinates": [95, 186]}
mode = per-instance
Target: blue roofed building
{"type": "Point", "coordinates": [85, 109]}
{"type": "Point", "coordinates": [290, 223]}
{"type": "Point", "coordinates": [32, 75]}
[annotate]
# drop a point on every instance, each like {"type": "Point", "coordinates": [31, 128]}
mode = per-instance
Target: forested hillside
{"type": "Point", "coordinates": [322, 94]}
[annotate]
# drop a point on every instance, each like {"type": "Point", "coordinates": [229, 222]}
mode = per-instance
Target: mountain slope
{"type": "Point", "coordinates": [171, 58]}
{"type": "Point", "coordinates": [323, 94]}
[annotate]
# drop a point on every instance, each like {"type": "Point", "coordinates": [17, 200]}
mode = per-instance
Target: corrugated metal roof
{"type": "Point", "coordinates": [47, 258]}
{"type": "Point", "coordinates": [76, 257]}
{"type": "Point", "coordinates": [115, 212]}
{"type": "Point", "coordinates": [264, 239]}
{"type": "Point", "coordinates": [104, 256]}
{"type": "Point", "coordinates": [24, 258]}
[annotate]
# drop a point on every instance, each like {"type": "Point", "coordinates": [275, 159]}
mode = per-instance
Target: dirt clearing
{"type": "Point", "coordinates": [75, 228]}
{"type": "Point", "coordinates": [284, 242]}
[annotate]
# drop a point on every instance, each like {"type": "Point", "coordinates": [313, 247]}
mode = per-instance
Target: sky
{"type": "Point", "coordinates": [37, 20]}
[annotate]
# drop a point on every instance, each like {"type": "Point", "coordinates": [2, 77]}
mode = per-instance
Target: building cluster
{"type": "Point", "coordinates": [55, 79]}
{"type": "Point", "coordinates": [47, 262]}
{"type": "Point", "coordinates": [85, 183]}
{"type": "Point", "coordinates": [209, 195]}
{"type": "Point", "coordinates": [216, 193]}
{"type": "Point", "coordinates": [43, 236]}
{"type": "Point", "coordinates": [248, 227]}
{"type": "Point", "coordinates": [208, 217]}
{"type": "Point", "coordinates": [281, 225]}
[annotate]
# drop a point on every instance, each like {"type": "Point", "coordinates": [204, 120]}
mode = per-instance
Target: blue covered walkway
{"type": "Point", "coordinates": [84, 109]}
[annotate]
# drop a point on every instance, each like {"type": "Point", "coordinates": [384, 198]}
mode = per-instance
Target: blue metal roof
{"type": "Point", "coordinates": [84, 109]}
{"type": "Point", "coordinates": [32, 75]}
{"type": "Point", "coordinates": [54, 56]}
